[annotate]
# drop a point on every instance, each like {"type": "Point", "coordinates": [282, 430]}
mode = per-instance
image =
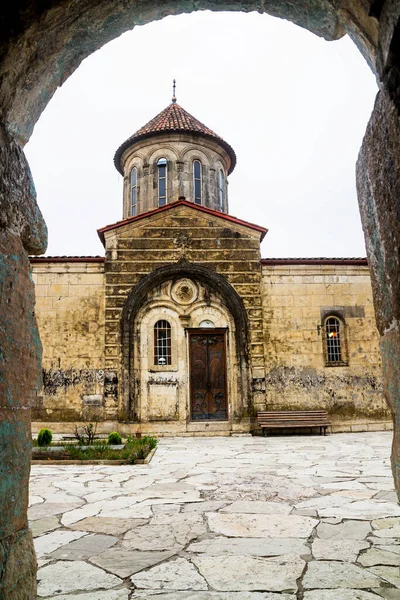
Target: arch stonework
{"type": "Point", "coordinates": [41, 44]}
{"type": "Point", "coordinates": [196, 273]}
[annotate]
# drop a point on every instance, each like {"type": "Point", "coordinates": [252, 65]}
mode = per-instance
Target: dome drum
{"type": "Point", "coordinates": [172, 157]}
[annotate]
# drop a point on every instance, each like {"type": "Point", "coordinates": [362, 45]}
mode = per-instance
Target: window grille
{"type": "Point", "coordinates": [333, 340]}
{"type": "Point", "coordinates": [134, 192]}
{"type": "Point", "coordinates": [221, 188]}
{"type": "Point", "coordinates": [197, 181]}
{"type": "Point", "coordinates": [162, 343]}
{"type": "Point", "coordinates": [162, 164]}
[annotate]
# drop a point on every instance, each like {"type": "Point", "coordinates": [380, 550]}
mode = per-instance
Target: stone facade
{"type": "Point", "coordinates": [180, 151]}
{"type": "Point", "coordinates": [70, 313]}
{"type": "Point", "coordinates": [182, 328]}
{"type": "Point", "coordinates": [193, 266]}
{"type": "Point", "coordinates": [297, 300]}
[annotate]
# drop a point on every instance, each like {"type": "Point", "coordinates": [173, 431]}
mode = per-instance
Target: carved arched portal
{"type": "Point", "coordinates": [214, 303]}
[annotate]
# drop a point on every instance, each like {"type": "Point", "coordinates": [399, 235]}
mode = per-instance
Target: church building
{"type": "Point", "coordinates": [182, 328]}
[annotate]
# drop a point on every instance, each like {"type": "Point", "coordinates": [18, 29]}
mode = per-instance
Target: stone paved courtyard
{"type": "Point", "coordinates": [280, 518]}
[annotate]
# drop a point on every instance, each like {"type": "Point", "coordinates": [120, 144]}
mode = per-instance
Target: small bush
{"type": "Point", "coordinates": [44, 437]}
{"type": "Point", "coordinates": [114, 438]}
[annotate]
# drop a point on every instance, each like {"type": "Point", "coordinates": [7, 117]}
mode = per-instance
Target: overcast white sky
{"type": "Point", "coordinates": [293, 106]}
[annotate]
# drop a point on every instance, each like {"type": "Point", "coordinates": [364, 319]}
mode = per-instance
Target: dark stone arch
{"type": "Point", "coordinates": [41, 44]}
{"type": "Point", "coordinates": [45, 42]}
{"type": "Point", "coordinates": [135, 301]}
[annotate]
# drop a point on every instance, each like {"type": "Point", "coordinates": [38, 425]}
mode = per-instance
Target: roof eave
{"type": "Point", "coordinates": [131, 141]}
{"type": "Point", "coordinates": [100, 232]}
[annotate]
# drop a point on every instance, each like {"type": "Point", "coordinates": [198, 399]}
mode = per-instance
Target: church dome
{"type": "Point", "coordinates": [174, 157]}
{"type": "Point", "coordinates": [173, 119]}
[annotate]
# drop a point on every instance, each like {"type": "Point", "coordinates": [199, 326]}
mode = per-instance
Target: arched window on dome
{"type": "Point", "coordinates": [134, 192]}
{"type": "Point", "coordinates": [334, 341]}
{"type": "Point", "coordinates": [162, 343]}
{"type": "Point", "coordinates": [221, 189]}
{"type": "Point", "coordinates": [197, 182]}
{"type": "Point", "coordinates": [162, 164]}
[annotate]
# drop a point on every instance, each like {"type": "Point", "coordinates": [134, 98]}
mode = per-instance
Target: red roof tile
{"type": "Point", "coordinates": [173, 119]}
{"type": "Point", "coordinates": [198, 207]}
{"type": "Point", "coordinates": [57, 259]}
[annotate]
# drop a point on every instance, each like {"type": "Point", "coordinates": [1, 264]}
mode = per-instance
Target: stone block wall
{"type": "Point", "coordinates": [139, 247]}
{"type": "Point", "coordinates": [70, 314]}
{"type": "Point", "coordinates": [295, 300]}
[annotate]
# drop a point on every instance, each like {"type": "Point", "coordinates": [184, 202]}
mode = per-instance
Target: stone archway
{"type": "Point", "coordinates": [41, 44]}
{"type": "Point", "coordinates": [197, 273]}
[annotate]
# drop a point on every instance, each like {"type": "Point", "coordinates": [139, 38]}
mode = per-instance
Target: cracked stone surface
{"type": "Point", "coordinates": [214, 596]}
{"type": "Point", "coordinates": [67, 577]}
{"type": "Point", "coordinates": [179, 574]}
{"type": "Point", "coordinates": [343, 550]}
{"type": "Point", "coordinates": [338, 575]}
{"type": "Point", "coordinates": [276, 526]}
{"type": "Point", "coordinates": [344, 595]}
{"type": "Point", "coordinates": [379, 556]}
{"type": "Point", "coordinates": [124, 563]}
{"type": "Point", "coordinates": [250, 546]}
{"type": "Point", "coordinates": [274, 518]}
{"type": "Point", "coordinates": [85, 547]}
{"type": "Point", "coordinates": [251, 572]}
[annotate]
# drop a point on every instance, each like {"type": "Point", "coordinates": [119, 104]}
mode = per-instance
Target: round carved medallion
{"type": "Point", "coordinates": [184, 291]}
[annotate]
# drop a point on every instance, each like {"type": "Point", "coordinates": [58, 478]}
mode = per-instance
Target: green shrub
{"type": "Point", "coordinates": [44, 437]}
{"type": "Point", "coordinates": [114, 438]}
{"type": "Point", "coordinates": [150, 441]}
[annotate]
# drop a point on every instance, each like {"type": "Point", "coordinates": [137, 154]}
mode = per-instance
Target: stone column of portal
{"type": "Point", "coordinates": [378, 187]}
{"type": "Point", "coordinates": [22, 230]}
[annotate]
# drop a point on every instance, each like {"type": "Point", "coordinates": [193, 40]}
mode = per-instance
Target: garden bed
{"type": "Point", "coordinates": [134, 451]}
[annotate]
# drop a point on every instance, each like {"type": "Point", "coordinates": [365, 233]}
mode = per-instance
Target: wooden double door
{"type": "Point", "coordinates": [207, 364]}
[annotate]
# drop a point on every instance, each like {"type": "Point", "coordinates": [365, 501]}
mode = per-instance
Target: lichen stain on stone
{"type": "Point", "coordinates": [343, 395]}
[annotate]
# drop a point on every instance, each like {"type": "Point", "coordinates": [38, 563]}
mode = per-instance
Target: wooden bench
{"type": "Point", "coordinates": [279, 419]}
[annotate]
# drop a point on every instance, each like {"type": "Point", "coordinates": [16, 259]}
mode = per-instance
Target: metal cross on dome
{"type": "Point", "coordinates": [173, 92]}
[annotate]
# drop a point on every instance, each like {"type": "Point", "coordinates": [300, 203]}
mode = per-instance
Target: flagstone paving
{"type": "Point", "coordinates": [240, 518]}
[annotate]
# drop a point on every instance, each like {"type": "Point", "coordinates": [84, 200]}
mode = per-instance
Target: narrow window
{"type": "Point", "coordinates": [333, 340]}
{"type": "Point", "coordinates": [134, 192]}
{"type": "Point", "coordinates": [197, 181]}
{"type": "Point", "coordinates": [162, 181]}
{"type": "Point", "coordinates": [162, 343]}
{"type": "Point", "coordinates": [221, 189]}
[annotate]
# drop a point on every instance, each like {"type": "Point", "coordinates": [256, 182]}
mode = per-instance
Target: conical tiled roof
{"type": "Point", "coordinates": [173, 118]}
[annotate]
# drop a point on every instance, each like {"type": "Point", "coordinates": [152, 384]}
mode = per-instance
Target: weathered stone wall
{"type": "Point", "coordinates": [182, 233]}
{"type": "Point", "coordinates": [21, 229]}
{"type": "Point", "coordinates": [378, 187]}
{"type": "Point", "coordinates": [70, 313]}
{"type": "Point", "coordinates": [296, 299]}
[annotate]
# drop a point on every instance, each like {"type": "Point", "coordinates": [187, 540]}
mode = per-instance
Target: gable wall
{"type": "Point", "coordinates": [135, 250]}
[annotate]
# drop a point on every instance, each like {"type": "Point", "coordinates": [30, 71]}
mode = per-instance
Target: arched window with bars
{"type": "Point", "coordinates": [134, 192]}
{"type": "Point", "coordinates": [197, 182]}
{"type": "Point", "coordinates": [162, 165]}
{"type": "Point", "coordinates": [334, 340]}
{"type": "Point", "coordinates": [162, 343]}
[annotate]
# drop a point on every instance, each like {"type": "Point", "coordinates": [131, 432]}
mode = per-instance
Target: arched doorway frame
{"type": "Point", "coordinates": [133, 305]}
